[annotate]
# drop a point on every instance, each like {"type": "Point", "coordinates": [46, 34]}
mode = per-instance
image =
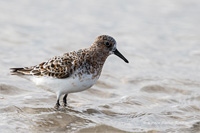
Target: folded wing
{"type": "Point", "coordinates": [58, 67]}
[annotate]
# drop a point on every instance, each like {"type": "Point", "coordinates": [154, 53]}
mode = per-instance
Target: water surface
{"type": "Point", "coordinates": [158, 91]}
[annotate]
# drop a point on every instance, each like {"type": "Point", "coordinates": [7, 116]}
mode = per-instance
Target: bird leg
{"type": "Point", "coordinates": [58, 98]}
{"type": "Point", "coordinates": [57, 104]}
{"type": "Point", "coordinates": [65, 100]}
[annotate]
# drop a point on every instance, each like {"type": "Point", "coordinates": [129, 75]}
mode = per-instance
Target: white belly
{"type": "Point", "coordinates": [67, 85]}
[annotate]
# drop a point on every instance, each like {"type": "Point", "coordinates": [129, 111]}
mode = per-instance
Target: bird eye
{"type": "Point", "coordinates": [108, 44]}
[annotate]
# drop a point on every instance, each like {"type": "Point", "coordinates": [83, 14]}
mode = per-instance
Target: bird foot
{"type": "Point", "coordinates": [57, 106]}
{"type": "Point", "coordinates": [64, 104]}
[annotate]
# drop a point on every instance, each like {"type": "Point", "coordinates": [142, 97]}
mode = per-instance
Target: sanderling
{"type": "Point", "coordinates": [74, 71]}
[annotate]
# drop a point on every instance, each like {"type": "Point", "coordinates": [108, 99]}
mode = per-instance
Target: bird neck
{"type": "Point", "coordinates": [94, 60]}
{"type": "Point", "coordinates": [98, 56]}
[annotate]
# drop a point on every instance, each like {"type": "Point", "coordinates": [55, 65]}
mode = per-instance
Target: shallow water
{"type": "Point", "coordinates": [158, 91]}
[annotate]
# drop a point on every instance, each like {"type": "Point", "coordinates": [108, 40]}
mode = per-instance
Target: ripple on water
{"type": "Point", "coordinates": [92, 111]}
{"type": "Point", "coordinates": [101, 93]}
{"type": "Point", "coordinates": [10, 90]}
{"type": "Point", "coordinates": [102, 84]}
{"type": "Point", "coordinates": [60, 122]}
{"type": "Point", "coordinates": [100, 129]}
{"type": "Point", "coordinates": [163, 89]}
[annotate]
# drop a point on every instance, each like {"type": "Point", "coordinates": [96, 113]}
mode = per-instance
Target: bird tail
{"type": "Point", "coordinates": [20, 71]}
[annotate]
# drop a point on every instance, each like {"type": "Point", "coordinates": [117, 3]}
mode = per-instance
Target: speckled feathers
{"type": "Point", "coordinates": [88, 61]}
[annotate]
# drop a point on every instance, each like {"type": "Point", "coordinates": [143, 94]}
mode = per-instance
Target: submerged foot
{"type": "Point", "coordinates": [64, 104]}
{"type": "Point", "coordinates": [57, 105]}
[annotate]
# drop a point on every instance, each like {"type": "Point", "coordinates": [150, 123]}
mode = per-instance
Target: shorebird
{"type": "Point", "coordinates": [73, 71]}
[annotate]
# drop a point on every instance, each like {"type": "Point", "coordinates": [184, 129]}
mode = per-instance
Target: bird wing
{"type": "Point", "coordinates": [58, 67]}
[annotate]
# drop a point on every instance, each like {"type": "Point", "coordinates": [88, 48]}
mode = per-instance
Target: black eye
{"type": "Point", "coordinates": [108, 44]}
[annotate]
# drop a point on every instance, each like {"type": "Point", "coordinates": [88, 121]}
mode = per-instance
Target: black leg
{"type": "Point", "coordinates": [57, 104]}
{"type": "Point", "coordinates": [65, 100]}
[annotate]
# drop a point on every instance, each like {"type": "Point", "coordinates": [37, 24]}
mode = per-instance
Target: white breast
{"type": "Point", "coordinates": [67, 85]}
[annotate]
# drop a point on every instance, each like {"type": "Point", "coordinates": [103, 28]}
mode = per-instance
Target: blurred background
{"type": "Point", "coordinates": [158, 91]}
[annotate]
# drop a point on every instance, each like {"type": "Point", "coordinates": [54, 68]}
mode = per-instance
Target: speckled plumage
{"type": "Point", "coordinates": [84, 65]}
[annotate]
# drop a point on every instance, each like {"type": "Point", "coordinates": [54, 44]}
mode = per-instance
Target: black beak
{"type": "Point", "coordinates": [116, 52]}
